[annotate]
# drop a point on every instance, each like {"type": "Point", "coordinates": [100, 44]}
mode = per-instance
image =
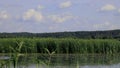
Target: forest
{"type": "Point", "coordinates": [108, 34]}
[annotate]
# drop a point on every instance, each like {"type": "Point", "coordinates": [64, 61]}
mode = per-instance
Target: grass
{"type": "Point", "coordinates": [61, 45]}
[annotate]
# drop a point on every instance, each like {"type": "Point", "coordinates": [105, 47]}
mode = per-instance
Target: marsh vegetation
{"type": "Point", "coordinates": [58, 53]}
{"type": "Point", "coordinates": [60, 46]}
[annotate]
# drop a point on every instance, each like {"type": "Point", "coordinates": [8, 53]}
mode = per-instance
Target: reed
{"type": "Point", "coordinates": [16, 53]}
{"type": "Point", "coordinates": [62, 45]}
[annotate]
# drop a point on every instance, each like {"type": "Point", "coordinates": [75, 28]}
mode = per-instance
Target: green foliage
{"type": "Point", "coordinates": [60, 46]}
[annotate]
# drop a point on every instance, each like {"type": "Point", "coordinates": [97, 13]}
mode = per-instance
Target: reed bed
{"type": "Point", "coordinates": [61, 45]}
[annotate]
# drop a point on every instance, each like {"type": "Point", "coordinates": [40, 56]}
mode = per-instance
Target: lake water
{"type": "Point", "coordinates": [60, 61]}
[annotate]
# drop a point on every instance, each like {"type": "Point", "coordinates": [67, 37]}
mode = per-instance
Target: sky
{"type": "Point", "coordinates": [39, 16]}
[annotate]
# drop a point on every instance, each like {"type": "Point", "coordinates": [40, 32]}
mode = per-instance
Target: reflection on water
{"type": "Point", "coordinates": [61, 61]}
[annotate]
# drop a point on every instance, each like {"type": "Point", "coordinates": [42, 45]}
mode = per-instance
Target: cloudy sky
{"type": "Point", "coordinates": [59, 15]}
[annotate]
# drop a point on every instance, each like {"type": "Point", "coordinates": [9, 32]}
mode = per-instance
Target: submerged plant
{"type": "Point", "coordinates": [2, 64]}
{"type": "Point", "coordinates": [16, 53]}
{"type": "Point", "coordinates": [50, 54]}
{"type": "Point", "coordinates": [44, 59]}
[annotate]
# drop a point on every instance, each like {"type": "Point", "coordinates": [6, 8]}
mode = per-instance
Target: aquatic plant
{"type": "Point", "coordinates": [62, 45]}
{"type": "Point", "coordinates": [16, 53]}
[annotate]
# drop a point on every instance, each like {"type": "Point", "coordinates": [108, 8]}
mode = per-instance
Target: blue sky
{"type": "Point", "coordinates": [59, 15]}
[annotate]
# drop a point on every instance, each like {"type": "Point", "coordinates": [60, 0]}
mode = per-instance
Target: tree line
{"type": "Point", "coordinates": [108, 34]}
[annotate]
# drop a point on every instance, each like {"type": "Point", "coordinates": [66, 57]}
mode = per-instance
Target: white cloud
{"type": "Point", "coordinates": [65, 4]}
{"type": "Point", "coordinates": [119, 10]}
{"type": "Point", "coordinates": [106, 25]}
{"type": "Point", "coordinates": [60, 18]}
{"type": "Point", "coordinates": [32, 14]}
{"type": "Point", "coordinates": [4, 15]}
{"type": "Point", "coordinates": [53, 27]}
{"type": "Point", "coordinates": [108, 7]}
{"type": "Point", "coordinates": [40, 7]}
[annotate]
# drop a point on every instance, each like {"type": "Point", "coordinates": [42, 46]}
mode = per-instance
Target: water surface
{"type": "Point", "coordinates": [60, 61]}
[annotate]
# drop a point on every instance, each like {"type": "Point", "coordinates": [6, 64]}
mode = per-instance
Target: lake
{"type": "Point", "coordinates": [59, 61]}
